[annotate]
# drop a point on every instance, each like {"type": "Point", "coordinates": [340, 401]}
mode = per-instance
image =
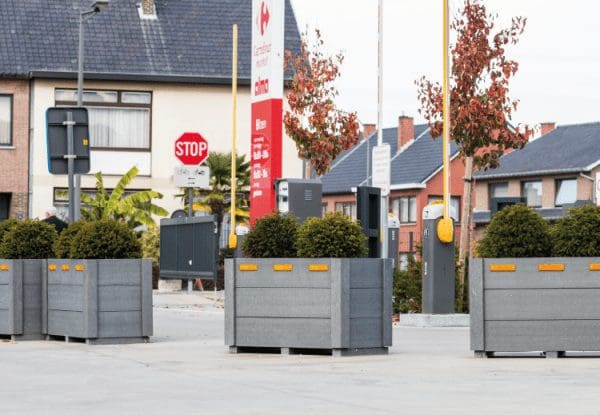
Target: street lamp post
{"type": "Point", "coordinates": [83, 15]}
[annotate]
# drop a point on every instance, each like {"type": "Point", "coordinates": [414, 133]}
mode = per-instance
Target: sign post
{"type": "Point", "coordinates": [267, 104]}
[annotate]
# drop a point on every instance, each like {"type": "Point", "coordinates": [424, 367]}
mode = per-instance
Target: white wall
{"type": "Point", "coordinates": [175, 109]}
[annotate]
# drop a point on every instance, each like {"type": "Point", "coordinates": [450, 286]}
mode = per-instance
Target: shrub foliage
{"type": "Point", "coordinates": [273, 236]}
{"type": "Point", "coordinates": [105, 239]}
{"type": "Point", "coordinates": [334, 236]}
{"type": "Point", "coordinates": [28, 239]}
{"type": "Point", "coordinates": [516, 231]}
{"type": "Point", "coordinates": [62, 247]}
{"type": "Point", "coordinates": [578, 233]}
{"type": "Point", "coordinates": [6, 225]}
{"type": "Point", "coordinates": [150, 241]}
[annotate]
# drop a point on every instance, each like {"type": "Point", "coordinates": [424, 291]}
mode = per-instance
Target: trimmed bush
{"type": "Point", "coordinates": [516, 231]}
{"type": "Point", "coordinates": [28, 239]}
{"type": "Point", "coordinates": [578, 233]}
{"type": "Point", "coordinates": [6, 225]}
{"type": "Point", "coordinates": [62, 247]}
{"type": "Point", "coordinates": [334, 236]}
{"type": "Point", "coordinates": [105, 239]}
{"type": "Point", "coordinates": [273, 236]}
{"type": "Point", "coordinates": [408, 287]}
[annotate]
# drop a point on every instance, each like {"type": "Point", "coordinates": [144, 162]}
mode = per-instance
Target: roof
{"type": "Point", "coordinates": [190, 41]}
{"type": "Point", "coordinates": [415, 164]}
{"type": "Point", "coordinates": [567, 149]}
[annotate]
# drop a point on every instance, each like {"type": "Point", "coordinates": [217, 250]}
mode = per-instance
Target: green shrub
{"type": "Point", "coordinates": [105, 239]}
{"type": "Point", "coordinates": [516, 232]}
{"type": "Point", "coordinates": [408, 287]}
{"type": "Point", "coordinates": [6, 225]}
{"type": "Point", "coordinates": [334, 236]}
{"type": "Point", "coordinates": [273, 236]}
{"type": "Point", "coordinates": [578, 233]}
{"type": "Point", "coordinates": [150, 241]}
{"type": "Point", "coordinates": [62, 247]}
{"type": "Point", "coordinates": [28, 239]}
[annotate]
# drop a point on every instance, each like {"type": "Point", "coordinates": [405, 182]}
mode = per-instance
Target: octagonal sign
{"type": "Point", "coordinates": [191, 149]}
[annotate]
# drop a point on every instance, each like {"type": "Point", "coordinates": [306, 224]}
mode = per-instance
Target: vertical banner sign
{"type": "Point", "coordinates": [267, 97]}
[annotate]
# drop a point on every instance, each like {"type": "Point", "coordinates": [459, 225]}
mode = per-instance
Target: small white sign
{"type": "Point", "coordinates": [381, 168]}
{"type": "Point", "coordinates": [191, 176]}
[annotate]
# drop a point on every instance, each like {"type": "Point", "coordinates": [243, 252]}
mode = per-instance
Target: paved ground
{"type": "Point", "coordinates": [186, 370]}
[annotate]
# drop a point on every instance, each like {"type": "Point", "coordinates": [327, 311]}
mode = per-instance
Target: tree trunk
{"type": "Point", "coordinates": [465, 226]}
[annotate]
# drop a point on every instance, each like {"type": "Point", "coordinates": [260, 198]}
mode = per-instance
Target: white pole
{"type": "Point", "coordinates": [384, 200]}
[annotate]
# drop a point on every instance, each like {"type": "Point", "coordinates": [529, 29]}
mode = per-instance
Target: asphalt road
{"type": "Point", "coordinates": [186, 370]}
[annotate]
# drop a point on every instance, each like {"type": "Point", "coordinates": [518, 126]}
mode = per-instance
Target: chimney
{"type": "Point", "coordinates": [546, 127]}
{"type": "Point", "coordinates": [368, 130]}
{"type": "Point", "coordinates": [406, 130]}
{"type": "Point", "coordinates": [147, 9]}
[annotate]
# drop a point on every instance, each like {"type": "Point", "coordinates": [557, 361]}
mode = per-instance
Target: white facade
{"type": "Point", "coordinates": [175, 109]}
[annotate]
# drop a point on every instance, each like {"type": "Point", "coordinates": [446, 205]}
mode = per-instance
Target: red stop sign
{"type": "Point", "coordinates": [191, 149]}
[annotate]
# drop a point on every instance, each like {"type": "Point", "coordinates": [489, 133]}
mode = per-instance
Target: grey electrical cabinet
{"type": "Point", "coordinates": [299, 197]}
{"type": "Point", "coordinates": [438, 265]}
{"type": "Point", "coordinates": [188, 248]}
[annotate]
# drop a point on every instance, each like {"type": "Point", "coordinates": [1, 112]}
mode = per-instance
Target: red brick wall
{"type": "Point", "coordinates": [14, 162]}
{"type": "Point", "coordinates": [434, 188]}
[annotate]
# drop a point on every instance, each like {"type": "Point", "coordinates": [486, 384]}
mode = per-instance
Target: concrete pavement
{"type": "Point", "coordinates": [186, 370]}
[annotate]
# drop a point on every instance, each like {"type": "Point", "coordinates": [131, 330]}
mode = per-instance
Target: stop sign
{"type": "Point", "coordinates": [191, 149]}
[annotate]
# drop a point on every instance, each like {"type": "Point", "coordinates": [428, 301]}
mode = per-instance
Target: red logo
{"type": "Point", "coordinates": [262, 20]}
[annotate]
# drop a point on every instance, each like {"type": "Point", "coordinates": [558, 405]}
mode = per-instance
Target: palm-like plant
{"type": "Point", "coordinates": [134, 209]}
{"type": "Point", "coordinates": [217, 199]}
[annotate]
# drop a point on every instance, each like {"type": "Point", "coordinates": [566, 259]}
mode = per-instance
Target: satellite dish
{"type": "Point", "coordinates": [178, 214]}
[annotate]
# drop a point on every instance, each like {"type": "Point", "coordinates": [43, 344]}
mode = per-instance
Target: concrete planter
{"type": "Point", "coordinates": [21, 305]}
{"type": "Point", "coordinates": [342, 305]}
{"type": "Point", "coordinates": [550, 305]}
{"type": "Point", "coordinates": [100, 301]}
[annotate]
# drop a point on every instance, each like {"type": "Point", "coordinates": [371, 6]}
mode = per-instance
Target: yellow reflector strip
{"type": "Point", "coordinates": [248, 267]}
{"type": "Point", "coordinates": [318, 267]}
{"type": "Point", "coordinates": [79, 267]}
{"type": "Point", "coordinates": [503, 267]}
{"type": "Point", "coordinates": [594, 267]}
{"type": "Point", "coordinates": [65, 267]}
{"type": "Point", "coordinates": [4, 267]}
{"type": "Point", "coordinates": [283, 267]}
{"type": "Point", "coordinates": [52, 267]}
{"type": "Point", "coordinates": [551, 267]}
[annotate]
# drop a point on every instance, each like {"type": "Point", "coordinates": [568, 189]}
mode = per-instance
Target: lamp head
{"type": "Point", "coordinates": [99, 5]}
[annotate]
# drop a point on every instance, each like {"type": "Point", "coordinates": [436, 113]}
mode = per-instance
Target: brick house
{"type": "Point", "coordinates": [154, 69]}
{"type": "Point", "coordinates": [416, 178]}
{"type": "Point", "coordinates": [550, 174]}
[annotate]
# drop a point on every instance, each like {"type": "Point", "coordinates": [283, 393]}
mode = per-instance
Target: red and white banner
{"type": "Point", "coordinates": [267, 104]}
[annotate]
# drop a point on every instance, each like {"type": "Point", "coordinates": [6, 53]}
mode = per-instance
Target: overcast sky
{"type": "Point", "coordinates": [559, 54]}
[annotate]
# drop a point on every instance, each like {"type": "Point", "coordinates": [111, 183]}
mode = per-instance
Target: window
{"type": "Point", "coordinates": [532, 192]}
{"type": "Point", "coordinates": [403, 261]}
{"type": "Point", "coordinates": [118, 119]}
{"type": "Point", "coordinates": [5, 120]}
{"type": "Point", "coordinates": [454, 205]}
{"type": "Point", "coordinates": [4, 206]}
{"type": "Point", "coordinates": [346, 209]}
{"type": "Point", "coordinates": [61, 199]}
{"type": "Point", "coordinates": [498, 189]}
{"type": "Point", "coordinates": [566, 192]}
{"type": "Point", "coordinates": [323, 209]}
{"type": "Point", "coordinates": [405, 209]}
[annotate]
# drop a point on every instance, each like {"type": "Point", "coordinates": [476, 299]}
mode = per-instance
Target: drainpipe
{"type": "Point", "coordinates": [30, 150]}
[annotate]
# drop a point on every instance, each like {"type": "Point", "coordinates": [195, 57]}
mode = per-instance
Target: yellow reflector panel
{"type": "Point", "coordinates": [52, 267]}
{"type": "Point", "coordinates": [318, 267]}
{"type": "Point", "coordinates": [248, 267]}
{"type": "Point", "coordinates": [4, 267]}
{"type": "Point", "coordinates": [65, 267]}
{"type": "Point", "coordinates": [503, 267]}
{"type": "Point", "coordinates": [551, 267]}
{"type": "Point", "coordinates": [283, 267]}
{"type": "Point", "coordinates": [79, 267]}
{"type": "Point", "coordinates": [594, 267]}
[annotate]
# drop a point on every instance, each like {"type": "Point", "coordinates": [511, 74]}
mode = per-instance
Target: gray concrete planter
{"type": "Point", "coordinates": [21, 304]}
{"type": "Point", "coordinates": [549, 305]}
{"type": "Point", "coordinates": [341, 305]}
{"type": "Point", "coordinates": [100, 301]}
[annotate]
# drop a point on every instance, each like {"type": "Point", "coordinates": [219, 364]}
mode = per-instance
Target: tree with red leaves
{"type": "Point", "coordinates": [480, 108]}
{"type": "Point", "coordinates": [321, 131]}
